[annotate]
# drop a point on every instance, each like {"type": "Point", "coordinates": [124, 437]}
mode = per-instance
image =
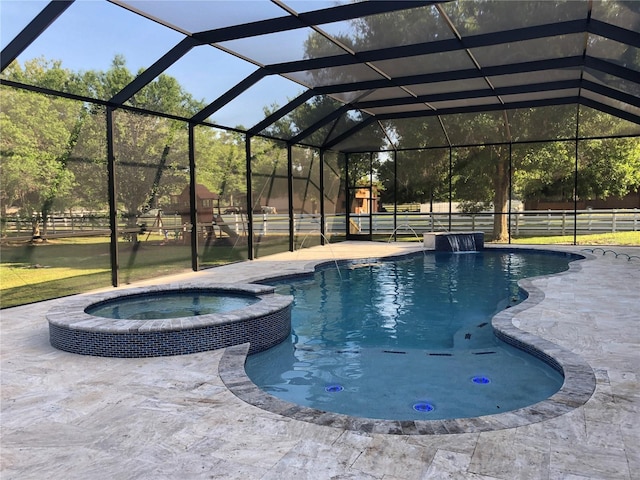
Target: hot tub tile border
{"type": "Point", "coordinates": [263, 324]}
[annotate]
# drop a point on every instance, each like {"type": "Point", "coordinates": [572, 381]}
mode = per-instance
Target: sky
{"type": "Point", "coordinates": [89, 34]}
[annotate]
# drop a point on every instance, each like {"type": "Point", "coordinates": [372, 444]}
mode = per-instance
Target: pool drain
{"type": "Point", "coordinates": [333, 388]}
{"type": "Point", "coordinates": [423, 407]}
{"type": "Point", "coordinates": [480, 380]}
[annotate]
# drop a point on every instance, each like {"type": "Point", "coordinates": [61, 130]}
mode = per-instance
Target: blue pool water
{"type": "Point", "coordinates": [163, 305]}
{"type": "Point", "coordinates": [409, 339]}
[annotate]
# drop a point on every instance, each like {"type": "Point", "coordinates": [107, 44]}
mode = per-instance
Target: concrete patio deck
{"type": "Point", "coordinates": [67, 416]}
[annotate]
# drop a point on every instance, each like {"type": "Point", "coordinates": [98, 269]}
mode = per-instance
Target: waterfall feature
{"type": "Point", "coordinates": [454, 242]}
{"type": "Point", "coordinates": [462, 243]}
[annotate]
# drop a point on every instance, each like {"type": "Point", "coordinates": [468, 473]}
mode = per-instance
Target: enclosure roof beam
{"type": "Point", "coordinates": [613, 32]}
{"type": "Point", "coordinates": [616, 112]}
{"type": "Point", "coordinates": [281, 112]}
{"type": "Point", "coordinates": [482, 108]}
{"type": "Point", "coordinates": [317, 17]}
{"type": "Point", "coordinates": [510, 90]}
{"type": "Point", "coordinates": [148, 75]}
{"type": "Point", "coordinates": [83, 98]}
{"type": "Point", "coordinates": [611, 93]}
{"type": "Point", "coordinates": [438, 46]}
{"type": "Point", "coordinates": [321, 123]}
{"type": "Point", "coordinates": [32, 31]}
{"type": "Point", "coordinates": [467, 94]}
{"type": "Point", "coordinates": [446, 76]}
{"type": "Point", "coordinates": [490, 71]}
{"type": "Point", "coordinates": [612, 69]}
{"type": "Point", "coordinates": [516, 105]}
{"type": "Point", "coordinates": [525, 67]}
{"type": "Point", "coordinates": [356, 128]}
{"type": "Point", "coordinates": [232, 93]}
{"type": "Point", "coordinates": [452, 111]}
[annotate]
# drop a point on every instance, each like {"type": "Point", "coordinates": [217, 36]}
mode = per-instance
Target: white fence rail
{"type": "Point", "coordinates": [523, 224]}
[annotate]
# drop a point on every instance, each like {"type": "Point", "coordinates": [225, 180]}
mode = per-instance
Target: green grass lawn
{"type": "Point", "coordinates": [56, 268]}
{"type": "Point", "coordinates": [619, 238]}
{"type": "Point", "coordinates": [34, 272]}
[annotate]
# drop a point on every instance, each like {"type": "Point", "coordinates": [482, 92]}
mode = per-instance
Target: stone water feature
{"type": "Point", "coordinates": [454, 241]}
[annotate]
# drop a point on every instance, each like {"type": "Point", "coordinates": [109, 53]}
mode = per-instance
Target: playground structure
{"type": "Point", "coordinates": [210, 225]}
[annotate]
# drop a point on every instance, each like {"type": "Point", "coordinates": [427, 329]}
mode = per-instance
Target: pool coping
{"type": "Point", "coordinates": [578, 386]}
{"type": "Point", "coordinates": [71, 313]}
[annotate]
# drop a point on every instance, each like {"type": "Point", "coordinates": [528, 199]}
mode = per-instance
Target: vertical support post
{"type": "Point", "coordinates": [250, 252]}
{"type": "Point", "coordinates": [113, 207]}
{"type": "Point", "coordinates": [510, 191]}
{"type": "Point", "coordinates": [370, 208]}
{"type": "Point", "coordinates": [193, 205]}
{"type": "Point", "coordinates": [290, 196]}
{"type": "Point", "coordinates": [575, 198]}
{"type": "Point", "coordinates": [395, 195]}
{"type": "Point", "coordinates": [322, 216]}
{"type": "Point", "coordinates": [575, 180]}
{"type": "Point", "coordinates": [347, 189]}
{"type": "Point", "coordinates": [450, 184]}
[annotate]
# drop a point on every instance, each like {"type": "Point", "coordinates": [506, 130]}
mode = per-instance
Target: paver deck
{"type": "Point", "coordinates": [67, 416]}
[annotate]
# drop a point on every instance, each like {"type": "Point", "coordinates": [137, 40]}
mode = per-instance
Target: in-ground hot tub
{"type": "Point", "coordinates": [237, 314]}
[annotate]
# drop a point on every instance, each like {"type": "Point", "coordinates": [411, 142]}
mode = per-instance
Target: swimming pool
{"type": "Point", "coordinates": [409, 339]}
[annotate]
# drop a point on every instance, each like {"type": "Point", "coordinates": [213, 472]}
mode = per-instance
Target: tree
{"type": "Point", "coordinates": [544, 171]}
{"type": "Point", "coordinates": [56, 143]}
{"type": "Point", "coordinates": [481, 177]}
{"type": "Point", "coordinates": [269, 172]}
{"type": "Point", "coordinates": [221, 163]}
{"type": "Point", "coordinates": [39, 134]}
{"type": "Point", "coordinates": [607, 167]}
{"type": "Point", "coordinates": [151, 152]}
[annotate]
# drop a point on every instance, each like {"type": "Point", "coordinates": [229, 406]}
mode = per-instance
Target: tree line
{"type": "Point", "coordinates": [54, 150]}
{"type": "Point", "coordinates": [488, 174]}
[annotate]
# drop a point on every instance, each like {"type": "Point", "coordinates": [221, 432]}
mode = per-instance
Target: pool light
{"type": "Point", "coordinates": [481, 380]}
{"type": "Point", "coordinates": [333, 388]}
{"type": "Point", "coordinates": [423, 407]}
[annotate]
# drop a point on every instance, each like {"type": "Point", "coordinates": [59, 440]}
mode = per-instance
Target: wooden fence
{"type": "Point", "coordinates": [523, 224]}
